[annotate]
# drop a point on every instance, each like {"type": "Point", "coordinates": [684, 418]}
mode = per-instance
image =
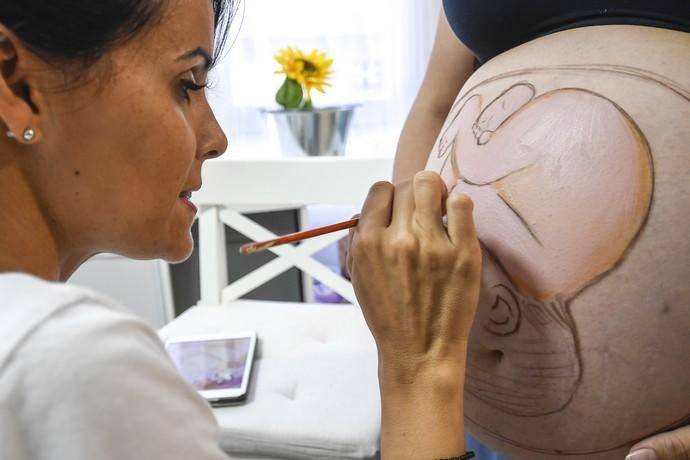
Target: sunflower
{"type": "Point", "coordinates": [291, 62]}
{"type": "Point", "coordinates": [310, 71]}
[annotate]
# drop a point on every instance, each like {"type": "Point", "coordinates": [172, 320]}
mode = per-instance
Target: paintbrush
{"type": "Point", "coordinates": [251, 248]}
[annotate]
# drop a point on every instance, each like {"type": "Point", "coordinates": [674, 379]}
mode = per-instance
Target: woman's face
{"type": "Point", "coordinates": [119, 151]}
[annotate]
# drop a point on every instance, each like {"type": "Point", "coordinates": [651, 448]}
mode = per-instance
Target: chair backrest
{"type": "Point", "coordinates": [235, 187]}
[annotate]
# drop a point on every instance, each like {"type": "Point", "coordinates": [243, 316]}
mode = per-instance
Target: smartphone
{"type": "Point", "coordinates": [218, 366]}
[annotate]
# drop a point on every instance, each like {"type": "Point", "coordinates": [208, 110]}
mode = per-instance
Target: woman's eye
{"type": "Point", "coordinates": [191, 85]}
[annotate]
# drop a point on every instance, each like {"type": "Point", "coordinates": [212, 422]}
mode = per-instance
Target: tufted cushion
{"type": "Point", "coordinates": [314, 392]}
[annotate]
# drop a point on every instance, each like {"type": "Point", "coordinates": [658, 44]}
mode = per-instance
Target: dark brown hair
{"type": "Point", "coordinates": [79, 31]}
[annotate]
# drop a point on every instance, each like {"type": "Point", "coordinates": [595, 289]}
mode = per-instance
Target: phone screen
{"type": "Point", "coordinates": [212, 364]}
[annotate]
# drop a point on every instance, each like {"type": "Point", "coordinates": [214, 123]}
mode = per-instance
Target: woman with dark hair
{"type": "Point", "coordinates": [105, 130]}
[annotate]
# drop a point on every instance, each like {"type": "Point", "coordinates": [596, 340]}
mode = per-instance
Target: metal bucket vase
{"type": "Point", "coordinates": [318, 132]}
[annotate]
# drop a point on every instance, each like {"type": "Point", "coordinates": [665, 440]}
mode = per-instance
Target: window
{"type": "Point", "coordinates": [380, 49]}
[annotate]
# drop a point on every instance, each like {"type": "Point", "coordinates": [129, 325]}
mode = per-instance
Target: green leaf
{"type": "Point", "coordinates": [290, 94]}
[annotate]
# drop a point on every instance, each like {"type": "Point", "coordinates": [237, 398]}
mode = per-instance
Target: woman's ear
{"type": "Point", "coordinates": [20, 99]}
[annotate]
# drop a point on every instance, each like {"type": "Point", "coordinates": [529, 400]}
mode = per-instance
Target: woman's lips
{"type": "Point", "coordinates": [185, 197]}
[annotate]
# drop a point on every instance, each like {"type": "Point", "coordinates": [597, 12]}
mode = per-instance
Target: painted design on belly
{"type": "Point", "coordinates": [533, 366]}
{"type": "Point", "coordinates": [604, 184]}
{"type": "Point", "coordinates": [532, 163]}
{"type": "Point", "coordinates": [527, 184]}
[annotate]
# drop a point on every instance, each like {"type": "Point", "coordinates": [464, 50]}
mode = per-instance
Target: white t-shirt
{"type": "Point", "coordinates": [80, 378]}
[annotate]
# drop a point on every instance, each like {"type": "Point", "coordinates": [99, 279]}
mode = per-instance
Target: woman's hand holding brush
{"type": "Point", "coordinates": [416, 278]}
{"type": "Point", "coordinates": [417, 281]}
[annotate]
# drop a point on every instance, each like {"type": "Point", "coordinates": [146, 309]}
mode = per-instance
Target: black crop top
{"type": "Point", "coordinates": [490, 27]}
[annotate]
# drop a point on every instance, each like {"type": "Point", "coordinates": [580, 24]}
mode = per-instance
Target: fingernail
{"type": "Point", "coordinates": [642, 454]}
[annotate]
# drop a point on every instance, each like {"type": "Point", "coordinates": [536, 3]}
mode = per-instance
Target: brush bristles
{"type": "Point", "coordinates": [252, 248]}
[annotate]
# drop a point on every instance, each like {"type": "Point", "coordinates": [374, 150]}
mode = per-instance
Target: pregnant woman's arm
{"type": "Point", "coordinates": [450, 65]}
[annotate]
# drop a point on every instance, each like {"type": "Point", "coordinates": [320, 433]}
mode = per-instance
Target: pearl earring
{"type": "Point", "coordinates": [28, 135]}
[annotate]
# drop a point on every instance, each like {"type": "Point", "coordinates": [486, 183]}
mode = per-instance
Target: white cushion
{"type": "Point", "coordinates": [314, 393]}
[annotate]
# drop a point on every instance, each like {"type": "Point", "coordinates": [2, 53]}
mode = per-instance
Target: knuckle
{"type": "Point", "coordinates": [381, 187]}
{"type": "Point", "coordinates": [427, 178]}
{"type": "Point", "coordinates": [364, 244]}
{"type": "Point", "coordinates": [404, 245]}
{"type": "Point", "coordinates": [678, 446]}
{"type": "Point", "coordinates": [460, 202]}
{"type": "Point", "coordinates": [468, 262]}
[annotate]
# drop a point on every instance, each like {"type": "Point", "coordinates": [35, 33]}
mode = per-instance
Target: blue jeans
{"type": "Point", "coordinates": [481, 451]}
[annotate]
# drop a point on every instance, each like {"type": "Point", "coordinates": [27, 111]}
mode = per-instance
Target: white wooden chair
{"type": "Point", "coordinates": [232, 188]}
{"type": "Point", "coordinates": [315, 392]}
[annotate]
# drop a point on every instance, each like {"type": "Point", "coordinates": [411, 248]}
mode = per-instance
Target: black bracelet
{"type": "Point", "coordinates": [467, 456]}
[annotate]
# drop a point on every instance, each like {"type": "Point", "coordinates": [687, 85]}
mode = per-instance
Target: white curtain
{"type": "Point", "coordinates": [380, 48]}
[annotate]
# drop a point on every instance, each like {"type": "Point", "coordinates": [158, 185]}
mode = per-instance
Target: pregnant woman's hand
{"type": "Point", "coordinates": [674, 445]}
{"type": "Point", "coordinates": [418, 284]}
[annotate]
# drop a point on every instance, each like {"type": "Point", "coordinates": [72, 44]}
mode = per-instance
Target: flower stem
{"type": "Point", "coordinates": [307, 101]}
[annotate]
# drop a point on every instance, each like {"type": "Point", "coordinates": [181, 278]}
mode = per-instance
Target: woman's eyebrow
{"type": "Point", "coordinates": [198, 52]}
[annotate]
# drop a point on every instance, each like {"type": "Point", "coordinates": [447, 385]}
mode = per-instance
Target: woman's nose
{"type": "Point", "coordinates": [216, 141]}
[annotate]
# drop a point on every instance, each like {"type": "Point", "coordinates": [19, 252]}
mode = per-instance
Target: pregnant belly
{"type": "Point", "coordinates": [574, 148]}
